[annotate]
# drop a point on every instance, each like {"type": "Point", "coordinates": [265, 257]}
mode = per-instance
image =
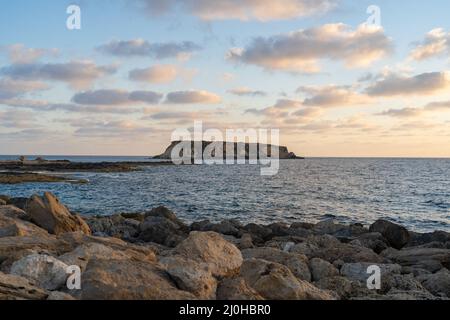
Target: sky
{"type": "Point", "coordinates": [332, 77]}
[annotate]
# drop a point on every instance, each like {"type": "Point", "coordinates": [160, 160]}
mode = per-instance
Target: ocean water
{"type": "Point", "coordinates": [413, 192]}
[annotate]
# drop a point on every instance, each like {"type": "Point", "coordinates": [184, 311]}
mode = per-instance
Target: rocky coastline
{"type": "Point", "coordinates": [155, 256]}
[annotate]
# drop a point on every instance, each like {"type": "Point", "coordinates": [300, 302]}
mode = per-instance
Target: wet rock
{"type": "Point", "coordinates": [396, 235]}
{"type": "Point", "coordinates": [322, 269]}
{"type": "Point", "coordinates": [438, 283]}
{"type": "Point", "coordinates": [128, 280]}
{"type": "Point", "coordinates": [191, 276]}
{"type": "Point", "coordinates": [161, 230]}
{"type": "Point", "coordinates": [222, 257]}
{"type": "Point", "coordinates": [371, 240]}
{"type": "Point", "coordinates": [297, 263]}
{"type": "Point", "coordinates": [236, 289]}
{"type": "Point", "coordinates": [48, 213]}
{"type": "Point", "coordinates": [430, 259]}
{"type": "Point", "coordinates": [13, 287]}
{"type": "Point", "coordinates": [276, 282]}
{"type": "Point", "coordinates": [47, 271]}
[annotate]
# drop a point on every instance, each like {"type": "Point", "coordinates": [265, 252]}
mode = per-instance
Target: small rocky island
{"type": "Point", "coordinates": [155, 256]}
{"type": "Point", "coordinates": [246, 147]}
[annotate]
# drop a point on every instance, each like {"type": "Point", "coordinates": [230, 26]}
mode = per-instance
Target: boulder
{"type": "Point", "coordinates": [191, 276]}
{"type": "Point", "coordinates": [431, 259]}
{"type": "Point", "coordinates": [46, 271]}
{"type": "Point", "coordinates": [109, 279]}
{"type": "Point", "coordinates": [344, 287]}
{"type": "Point", "coordinates": [246, 242]}
{"type": "Point", "coordinates": [276, 282]}
{"type": "Point", "coordinates": [12, 226]}
{"type": "Point", "coordinates": [297, 263]}
{"type": "Point", "coordinates": [114, 226]}
{"type": "Point", "coordinates": [162, 230]}
{"type": "Point", "coordinates": [322, 269]}
{"type": "Point", "coordinates": [418, 239]}
{"type": "Point", "coordinates": [13, 287]}
{"type": "Point", "coordinates": [437, 283]}
{"type": "Point", "coordinates": [48, 213]}
{"type": "Point", "coordinates": [259, 233]}
{"type": "Point", "coordinates": [358, 271]}
{"type": "Point", "coordinates": [3, 202]}
{"type": "Point", "coordinates": [236, 289]}
{"type": "Point", "coordinates": [396, 235]}
{"type": "Point", "coordinates": [371, 240]}
{"type": "Point", "coordinates": [222, 257]}
{"type": "Point", "coordinates": [60, 296]}
{"type": "Point", "coordinates": [19, 202]}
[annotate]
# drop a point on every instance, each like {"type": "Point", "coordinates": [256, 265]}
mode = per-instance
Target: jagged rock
{"type": "Point", "coordinates": [48, 213]}
{"type": "Point", "coordinates": [430, 259]}
{"type": "Point", "coordinates": [371, 240]}
{"type": "Point", "coordinates": [60, 296]}
{"type": "Point", "coordinates": [222, 257]}
{"type": "Point", "coordinates": [438, 283]}
{"type": "Point", "coordinates": [297, 263]}
{"type": "Point", "coordinates": [162, 226]}
{"type": "Point", "coordinates": [114, 226]}
{"type": "Point", "coordinates": [322, 269]}
{"type": "Point", "coordinates": [276, 282]}
{"type": "Point", "coordinates": [19, 202]}
{"type": "Point", "coordinates": [12, 226]}
{"type": "Point", "coordinates": [108, 279]}
{"type": "Point", "coordinates": [191, 276]}
{"type": "Point", "coordinates": [418, 239]}
{"type": "Point", "coordinates": [47, 271]}
{"type": "Point", "coordinates": [396, 235]}
{"type": "Point", "coordinates": [358, 271]}
{"type": "Point", "coordinates": [401, 282]}
{"type": "Point", "coordinates": [341, 285]}
{"type": "Point", "coordinates": [236, 289]}
{"type": "Point", "coordinates": [14, 287]}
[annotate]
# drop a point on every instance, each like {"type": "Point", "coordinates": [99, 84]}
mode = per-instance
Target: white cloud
{"type": "Point", "coordinates": [435, 44]}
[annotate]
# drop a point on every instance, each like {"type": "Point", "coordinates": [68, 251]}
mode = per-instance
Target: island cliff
{"type": "Point", "coordinates": [283, 151]}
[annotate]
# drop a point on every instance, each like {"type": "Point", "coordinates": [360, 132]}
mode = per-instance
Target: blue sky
{"type": "Point", "coordinates": [353, 120]}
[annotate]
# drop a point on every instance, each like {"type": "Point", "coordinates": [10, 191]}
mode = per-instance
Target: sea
{"type": "Point", "coordinates": [412, 192]}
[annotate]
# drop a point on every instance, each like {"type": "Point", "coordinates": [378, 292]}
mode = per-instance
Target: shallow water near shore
{"type": "Point", "coordinates": [412, 192]}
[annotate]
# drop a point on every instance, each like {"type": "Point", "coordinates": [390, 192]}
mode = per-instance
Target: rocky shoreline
{"type": "Point", "coordinates": [28, 177]}
{"type": "Point", "coordinates": [156, 256]}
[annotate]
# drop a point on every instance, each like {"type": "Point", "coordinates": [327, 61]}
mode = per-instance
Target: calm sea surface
{"type": "Point", "coordinates": [413, 192]}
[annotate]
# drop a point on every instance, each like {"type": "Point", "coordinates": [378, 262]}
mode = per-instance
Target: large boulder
{"type": "Point", "coordinates": [163, 227]}
{"type": "Point", "coordinates": [114, 226]}
{"type": "Point", "coordinates": [222, 257]}
{"type": "Point", "coordinates": [431, 259]}
{"type": "Point", "coordinates": [13, 287]}
{"type": "Point", "coordinates": [191, 276]}
{"type": "Point", "coordinates": [322, 269]}
{"type": "Point", "coordinates": [276, 282]}
{"type": "Point", "coordinates": [236, 289]}
{"type": "Point", "coordinates": [48, 272]}
{"type": "Point", "coordinates": [437, 283]}
{"type": "Point", "coordinates": [358, 271]}
{"type": "Point", "coordinates": [297, 263]}
{"type": "Point", "coordinates": [48, 213]}
{"type": "Point", "coordinates": [371, 240]}
{"type": "Point", "coordinates": [11, 224]}
{"type": "Point", "coordinates": [109, 279]}
{"type": "Point", "coordinates": [396, 235]}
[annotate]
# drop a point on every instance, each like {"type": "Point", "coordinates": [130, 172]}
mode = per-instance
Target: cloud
{"type": "Point", "coordinates": [262, 10]}
{"type": "Point", "coordinates": [19, 54]}
{"type": "Point", "coordinates": [116, 97]}
{"type": "Point", "coordinates": [332, 96]}
{"type": "Point", "coordinates": [435, 44]}
{"type": "Point", "coordinates": [10, 88]}
{"type": "Point", "coordinates": [409, 112]}
{"type": "Point", "coordinates": [112, 129]}
{"type": "Point", "coordinates": [422, 84]}
{"type": "Point", "coordinates": [244, 91]}
{"type": "Point", "coordinates": [143, 48]}
{"type": "Point", "coordinates": [76, 73]}
{"type": "Point", "coordinates": [301, 51]}
{"type": "Point", "coordinates": [193, 96]}
{"type": "Point", "coordinates": [156, 74]}
{"type": "Point", "coordinates": [15, 119]}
